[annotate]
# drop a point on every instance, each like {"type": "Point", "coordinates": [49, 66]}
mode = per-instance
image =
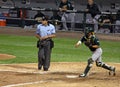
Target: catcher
{"type": "Point", "coordinates": [90, 40]}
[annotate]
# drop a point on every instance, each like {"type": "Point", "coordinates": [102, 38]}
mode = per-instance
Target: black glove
{"type": "Point", "coordinates": [88, 44]}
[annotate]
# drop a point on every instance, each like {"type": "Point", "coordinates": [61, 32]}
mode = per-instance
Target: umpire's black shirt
{"type": "Point", "coordinates": [93, 9]}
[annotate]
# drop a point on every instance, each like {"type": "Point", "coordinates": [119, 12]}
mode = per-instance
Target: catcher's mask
{"type": "Point", "coordinates": [88, 31]}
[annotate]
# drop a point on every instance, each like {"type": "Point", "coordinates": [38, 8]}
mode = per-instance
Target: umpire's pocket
{"type": "Point", "coordinates": [51, 44]}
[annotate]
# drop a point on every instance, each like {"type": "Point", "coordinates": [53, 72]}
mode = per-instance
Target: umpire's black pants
{"type": "Point", "coordinates": [44, 54]}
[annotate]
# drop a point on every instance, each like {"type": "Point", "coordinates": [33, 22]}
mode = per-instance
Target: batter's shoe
{"type": "Point", "coordinates": [112, 72]}
{"type": "Point", "coordinates": [82, 75]}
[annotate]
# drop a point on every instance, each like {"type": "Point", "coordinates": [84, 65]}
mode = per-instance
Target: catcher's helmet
{"type": "Point", "coordinates": [89, 30]}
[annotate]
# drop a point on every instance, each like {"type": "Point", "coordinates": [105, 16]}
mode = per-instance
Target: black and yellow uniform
{"type": "Point", "coordinates": [106, 19]}
{"type": "Point", "coordinates": [66, 5]}
{"type": "Point", "coordinates": [90, 41]}
{"type": "Point", "coordinates": [93, 9]}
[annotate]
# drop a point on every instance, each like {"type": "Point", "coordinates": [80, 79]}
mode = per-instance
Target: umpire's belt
{"type": "Point", "coordinates": [43, 42]}
{"type": "Point", "coordinates": [48, 39]}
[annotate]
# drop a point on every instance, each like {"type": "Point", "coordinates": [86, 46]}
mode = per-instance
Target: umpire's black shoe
{"type": "Point", "coordinates": [39, 68]}
{"type": "Point", "coordinates": [45, 69]}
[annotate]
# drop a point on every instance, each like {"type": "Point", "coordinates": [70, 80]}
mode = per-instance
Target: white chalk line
{"type": "Point", "coordinates": [38, 82]}
{"type": "Point", "coordinates": [33, 72]}
{"type": "Point", "coordinates": [30, 83]}
{"type": "Point", "coordinates": [22, 71]}
{"type": "Point", "coordinates": [23, 84]}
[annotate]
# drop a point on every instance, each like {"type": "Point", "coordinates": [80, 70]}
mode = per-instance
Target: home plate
{"type": "Point", "coordinates": [72, 76]}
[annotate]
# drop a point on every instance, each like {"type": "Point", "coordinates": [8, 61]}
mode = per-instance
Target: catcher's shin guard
{"type": "Point", "coordinates": [105, 66]}
{"type": "Point", "coordinates": [112, 72]}
{"type": "Point", "coordinates": [87, 69]}
{"type": "Point", "coordinates": [110, 68]}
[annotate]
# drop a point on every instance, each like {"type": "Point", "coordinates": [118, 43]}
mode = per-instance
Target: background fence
{"type": "Point", "coordinates": [22, 15]}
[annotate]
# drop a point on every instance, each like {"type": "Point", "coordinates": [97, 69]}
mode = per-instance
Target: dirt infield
{"type": "Point", "coordinates": [6, 56]}
{"type": "Point", "coordinates": [27, 75]}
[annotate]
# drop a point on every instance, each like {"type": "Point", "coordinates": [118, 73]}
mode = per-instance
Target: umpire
{"type": "Point", "coordinates": [45, 32]}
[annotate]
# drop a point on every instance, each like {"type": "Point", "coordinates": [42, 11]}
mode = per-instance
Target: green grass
{"type": "Point", "coordinates": [24, 48]}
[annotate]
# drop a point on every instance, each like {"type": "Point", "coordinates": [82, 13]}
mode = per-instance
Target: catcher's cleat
{"type": "Point", "coordinates": [82, 75]}
{"type": "Point", "coordinates": [112, 72]}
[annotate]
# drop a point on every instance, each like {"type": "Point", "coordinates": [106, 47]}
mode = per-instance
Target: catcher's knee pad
{"type": "Point", "coordinates": [99, 64]}
{"type": "Point", "coordinates": [90, 62]}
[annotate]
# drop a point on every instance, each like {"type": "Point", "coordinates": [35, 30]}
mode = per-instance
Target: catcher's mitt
{"type": "Point", "coordinates": [87, 43]}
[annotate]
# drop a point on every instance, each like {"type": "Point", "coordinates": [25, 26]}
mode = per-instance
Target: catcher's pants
{"type": "Point", "coordinates": [44, 55]}
{"type": "Point", "coordinates": [96, 56]}
{"type": "Point", "coordinates": [68, 17]}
